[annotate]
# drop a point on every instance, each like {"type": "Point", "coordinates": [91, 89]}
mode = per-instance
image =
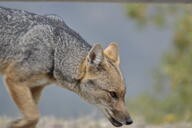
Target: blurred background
{"type": "Point", "coordinates": [156, 58]}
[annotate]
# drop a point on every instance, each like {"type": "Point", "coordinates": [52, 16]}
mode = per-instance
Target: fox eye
{"type": "Point", "coordinates": [113, 94]}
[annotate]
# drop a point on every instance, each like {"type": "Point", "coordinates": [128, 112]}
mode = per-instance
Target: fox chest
{"type": "Point", "coordinates": [40, 82]}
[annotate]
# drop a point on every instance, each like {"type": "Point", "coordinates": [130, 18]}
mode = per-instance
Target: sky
{"type": "Point", "coordinates": [141, 51]}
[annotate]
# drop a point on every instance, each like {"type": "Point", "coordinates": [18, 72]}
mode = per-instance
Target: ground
{"type": "Point", "coordinates": [51, 122]}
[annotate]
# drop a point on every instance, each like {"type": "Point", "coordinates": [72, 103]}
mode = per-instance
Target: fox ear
{"type": "Point", "coordinates": [112, 52]}
{"type": "Point", "coordinates": [95, 56]}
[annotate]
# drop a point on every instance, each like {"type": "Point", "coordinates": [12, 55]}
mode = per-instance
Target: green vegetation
{"type": "Point", "coordinates": [175, 73]}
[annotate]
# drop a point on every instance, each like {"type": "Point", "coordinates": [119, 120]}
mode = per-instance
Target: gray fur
{"type": "Point", "coordinates": [41, 45]}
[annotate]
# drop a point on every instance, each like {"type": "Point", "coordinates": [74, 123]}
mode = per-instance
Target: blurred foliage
{"type": "Point", "coordinates": [175, 73]}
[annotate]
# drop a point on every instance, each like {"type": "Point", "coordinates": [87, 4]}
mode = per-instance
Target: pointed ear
{"type": "Point", "coordinates": [95, 56]}
{"type": "Point", "coordinates": [112, 52]}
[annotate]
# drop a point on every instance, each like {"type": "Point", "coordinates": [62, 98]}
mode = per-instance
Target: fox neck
{"type": "Point", "coordinates": [69, 54]}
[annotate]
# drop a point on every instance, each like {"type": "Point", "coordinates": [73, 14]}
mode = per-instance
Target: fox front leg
{"type": "Point", "coordinates": [36, 93]}
{"type": "Point", "coordinates": [23, 98]}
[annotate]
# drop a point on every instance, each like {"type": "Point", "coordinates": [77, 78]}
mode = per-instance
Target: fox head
{"type": "Point", "coordinates": [103, 84]}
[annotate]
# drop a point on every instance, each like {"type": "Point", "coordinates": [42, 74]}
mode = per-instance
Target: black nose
{"type": "Point", "coordinates": [129, 121]}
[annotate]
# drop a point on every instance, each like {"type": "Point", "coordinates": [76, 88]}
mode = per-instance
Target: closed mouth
{"type": "Point", "coordinates": [115, 122]}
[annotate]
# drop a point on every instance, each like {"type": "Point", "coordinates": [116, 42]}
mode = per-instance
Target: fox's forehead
{"type": "Point", "coordinates": [114, 78]}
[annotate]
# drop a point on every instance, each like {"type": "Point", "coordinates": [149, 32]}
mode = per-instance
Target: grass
{"type": "Point", "coordinates": [51, 122]}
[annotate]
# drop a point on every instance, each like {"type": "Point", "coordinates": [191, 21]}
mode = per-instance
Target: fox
{"type": "Point", "coordinates": [40, 50]}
